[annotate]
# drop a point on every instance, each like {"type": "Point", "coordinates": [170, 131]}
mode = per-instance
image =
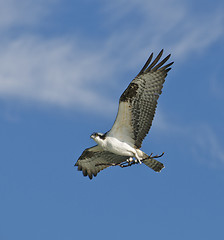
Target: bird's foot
{"type": "Point", "coordinates": [138, 161]}
{"type": "Point", "coordinates": [130, 159]}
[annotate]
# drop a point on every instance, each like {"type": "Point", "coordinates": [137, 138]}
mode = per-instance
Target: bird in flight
{"type": "Point", "coordinates": [121, 145]}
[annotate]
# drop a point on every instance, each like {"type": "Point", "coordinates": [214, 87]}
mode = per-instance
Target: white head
{"type": "Point", "coordinates": [98, 137]}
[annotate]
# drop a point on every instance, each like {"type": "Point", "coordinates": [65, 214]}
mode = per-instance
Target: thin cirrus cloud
{"type": "Point", "coordinates": [201, 140]}
{"type": "Point", "coordinates": [171, 24]}
{"type": "Point", "coordinates": [23, 13]}
{"type": "Point", "coordinates": [57, 71]}
{"type": "Point", "coordinates": [52, 72]}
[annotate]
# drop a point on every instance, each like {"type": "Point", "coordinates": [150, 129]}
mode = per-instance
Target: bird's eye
{"type": "Point", "coordinates": [94, 135]}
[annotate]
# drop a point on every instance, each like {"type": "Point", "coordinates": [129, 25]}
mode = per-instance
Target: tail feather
{"type": "Point", "coordinates": [152, 163]}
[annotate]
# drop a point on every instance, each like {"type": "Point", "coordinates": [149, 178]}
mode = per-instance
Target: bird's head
{"type": "Point", "coordinates": [94, 135]}
{"type": "Point", "coordinates": [98, 136]}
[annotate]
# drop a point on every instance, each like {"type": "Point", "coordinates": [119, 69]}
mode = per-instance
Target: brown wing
{"type": "Point", "coordinates": [138, 102]}
{"type": "Point", "coordinates": [95, 159]}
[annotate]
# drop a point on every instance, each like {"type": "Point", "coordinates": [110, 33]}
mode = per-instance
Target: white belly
{"type": "Point", "coordinates": [121, 148]}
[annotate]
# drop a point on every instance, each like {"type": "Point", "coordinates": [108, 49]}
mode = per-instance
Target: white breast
{"type": "Point", "coordinates": [116, 146]}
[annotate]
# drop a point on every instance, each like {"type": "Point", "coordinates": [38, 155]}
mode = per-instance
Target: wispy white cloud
{"type": "Point", "coordinates": [216, 83]}
{"type": "Point", "coordinates": [199, 33]}
{"type": "Point", "coordinates": [201, 139]}
{"type": "Point", "coordinates": [24, 12]}
{"type": "Point", "coordinates": [59, 71]}
{"type": "Point", "coordinates": [208, 147]}
{"type": "Point", "coordinates": [52, 71]}
{"type": "Point", "coordinates": [169, 24]}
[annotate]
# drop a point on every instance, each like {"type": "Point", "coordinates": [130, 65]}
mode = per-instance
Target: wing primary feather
{"type": "Point", "coordinates": [154, 62]}
{"type": "Point", "coordinates": [166, 66]}
{"type": "Point", "coordinates": [168, 69]}
{"type": "Point", "coordinates": [89, 174]}
{"type": "Point", "coordinates": [146, 64]}
{"type": "Point", "coordinates": [161, 63]}
{"type": "Point", "coordinates": [84, 171]}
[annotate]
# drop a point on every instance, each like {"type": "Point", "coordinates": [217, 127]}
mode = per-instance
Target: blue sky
{"type": "Point", "coordinates": [63, 66]}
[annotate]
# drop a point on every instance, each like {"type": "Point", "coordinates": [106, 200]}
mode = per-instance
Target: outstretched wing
{"type": "Point", "coordinates": [138, 102]}
{"type": "Point", "coordinates": [95, 159]}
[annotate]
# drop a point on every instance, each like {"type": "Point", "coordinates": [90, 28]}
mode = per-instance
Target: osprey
{"type": "Point", "coordinates": [121, 145]}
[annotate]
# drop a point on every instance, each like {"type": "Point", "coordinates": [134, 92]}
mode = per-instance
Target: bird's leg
{"type": "Point", "coordinates": [138, 160]}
